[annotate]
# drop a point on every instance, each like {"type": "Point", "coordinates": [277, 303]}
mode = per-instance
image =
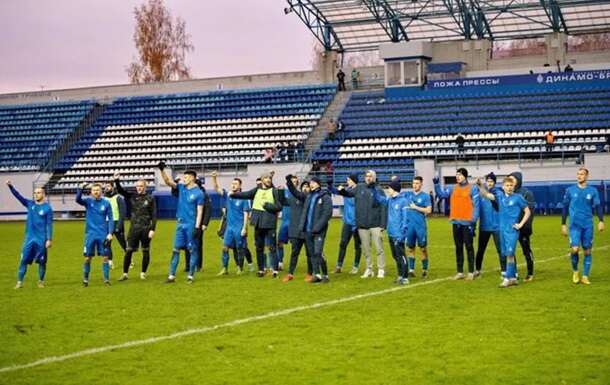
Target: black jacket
{"type": "Point", "coordinates": [323, 210]}
{"type": "Point", "coordinates": [527, 229]}
{"type": "Point", "coordinates": [369, 213]}
{"type": "Point", "coordinates": [296, 210]}
{"type": "Point", "coordinates": [266, 219]}
{"type": "Point", "coordinates": [143, 210]}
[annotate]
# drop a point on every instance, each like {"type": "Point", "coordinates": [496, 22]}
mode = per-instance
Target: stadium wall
{"type": "Point", "coordinates": [196, 85]}
{"type": "Point", "coordinates": [534, 172]}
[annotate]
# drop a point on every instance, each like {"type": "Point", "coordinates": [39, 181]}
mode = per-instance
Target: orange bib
{"type": "Point", "coordinates": [461, 203]}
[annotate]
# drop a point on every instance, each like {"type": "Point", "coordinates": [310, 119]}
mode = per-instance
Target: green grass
{"type": "Point", "coordinates": [545, 332]}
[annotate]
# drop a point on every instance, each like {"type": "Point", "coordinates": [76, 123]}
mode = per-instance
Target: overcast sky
{"type": "Point", "coordinates": [78, 43]}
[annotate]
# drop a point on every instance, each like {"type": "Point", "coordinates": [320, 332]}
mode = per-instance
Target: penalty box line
{"type": "Point", "coordinates": [207, 329]}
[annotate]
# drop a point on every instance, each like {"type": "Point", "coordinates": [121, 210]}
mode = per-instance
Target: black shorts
{"type": "Point", "coordinates": [138, 236]}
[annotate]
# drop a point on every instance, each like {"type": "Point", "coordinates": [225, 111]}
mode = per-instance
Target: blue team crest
{"type": "Point", "coordinates": [396, 206]}
{"type": "Point", "coordinates": [588, 197]}
{"type": "Point", "coordinates": [41, 212]}
{"type": "Point", "coordinates": [192, 197]}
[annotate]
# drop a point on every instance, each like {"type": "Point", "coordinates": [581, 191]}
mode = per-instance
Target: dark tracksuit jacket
{"type": "Point", "coordinates": [369, 212]}
{"type": "Point", "coordinates": [266, 219]}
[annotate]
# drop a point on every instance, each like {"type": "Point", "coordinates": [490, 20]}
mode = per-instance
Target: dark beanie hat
{"type": "Point", "coordinates": [463, 171]}
{"type": "Point", "coordinates": [315, 179]}
{"type": "Point", "coordinates": [395, 185]}
{"type": "Point", "coordinates": [353, 177]}
{"type": "Point", "coordinates": [491, 176]}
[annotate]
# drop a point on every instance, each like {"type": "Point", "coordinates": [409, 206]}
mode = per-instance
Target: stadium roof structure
{"type": "Point", "coordinates": [360, 25]}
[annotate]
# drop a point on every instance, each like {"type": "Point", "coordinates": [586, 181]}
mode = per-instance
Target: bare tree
{"type": "Point", "coordinates": [162, 44]}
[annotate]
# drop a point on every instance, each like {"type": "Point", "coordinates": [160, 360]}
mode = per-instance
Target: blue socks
{"type": "Point", "coordinates": [511, 272]}
{"type": "Point", "coordinates": [411, 263]}
{"type": "Point", "coordinates": [106, 270]}
{"type": "Point", "coordinates": [574, 257]}
{"type": "Point", "coordinates": [280, 254]}
{"type": "Point", "coordinates": [194, 261]}
{"type": "Point", "coordinates": [173, 265]}
{"type": "Point", "coordinates": [23, 267]}
{"type": "Point", "coordinates": [86, 270]}
{"type": "Point", "coordinates": [586, 265]}
{"type": "Point", "coordinates": [225, 258]}
{"type": "Point", "coordinates": [42, 270]}
{"type": "Point", "coordinates": [424, 264]}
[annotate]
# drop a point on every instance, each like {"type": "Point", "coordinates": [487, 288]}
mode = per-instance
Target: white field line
{"type": "Point", "coordinates": [206, 329]}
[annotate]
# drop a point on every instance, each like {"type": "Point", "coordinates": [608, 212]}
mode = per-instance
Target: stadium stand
{"type": "Point", "coordinates": [211, 129]}
{"type": "Point", "coordinates": [503, 124]}
{"type": "Point", "coordinates": [31, 134]}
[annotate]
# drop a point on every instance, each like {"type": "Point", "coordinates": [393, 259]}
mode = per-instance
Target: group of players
{"type": "Point", "coordinates": [502, 213]}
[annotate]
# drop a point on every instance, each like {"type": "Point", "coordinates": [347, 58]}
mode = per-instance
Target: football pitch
{"type": "Point", "coordinates": [248, 330]}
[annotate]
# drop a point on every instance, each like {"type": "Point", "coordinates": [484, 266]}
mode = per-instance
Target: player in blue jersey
{"type": "Point", "coordinates": [397, 205]}
{"type": "Point", "coordinates": [189, 216]}
{"type": "Point", "coordinates": [236, 228]}
{"type": "Point", "coordinates": [420, 205]}
{"type": "Point", "coordinates": [510, 206]}
{"type": "Point", "coordinates": [38, 234]}
{"type": "Point", "coordinates": [489, 226]}
{"type": "Point", "coordinates": [349, 229]}
{"type": "Point", "coordinates": [99, 227]}
{"type": "Point", "coordinates": [579, 202]}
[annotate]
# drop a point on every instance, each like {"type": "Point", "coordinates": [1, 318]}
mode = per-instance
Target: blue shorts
{"type": "Point", "coordinates": [283, 235]}
{"type": "Point", "coordinates": [581, 236]}
{"type": "Point", "coordinates": [417, 235]}
{"type": "Point", "coordinates": [93, 245]}
{"type": "Point", "coordinates": [184, 238]}
{"type": "Point", "coordinates": [34, 251]}
{"type": "Point", "coordinates": [508, 242]}
{"type": "Point", "coordinates": [233, 238]}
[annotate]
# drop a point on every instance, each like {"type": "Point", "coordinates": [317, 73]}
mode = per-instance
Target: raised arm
{"type": "Point", "coordinates": [244, 194]}
{"type": "Point", "coordinates": [79, 195]}
{"type": "Point", "coordinates": [442, 193]}
{"type": "Point", "coordinates": [293, 190]}
{"type": "Point", "coordinates": [380, 197]}
{"type": "Point", "coordinates": [483, 192]}
{"type": "Point", "coordinates": [25, 202]}
{"type": "Point", "coordinates": [120, 188]}
{"type": "Point", "coordinates": [215, 182]}
{"type": "Point", "coordinates": [166, 179]}
{"type": "Point", "coordinates": [350, 193]}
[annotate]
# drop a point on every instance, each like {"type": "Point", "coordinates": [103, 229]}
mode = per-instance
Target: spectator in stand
{"type": "Point", "coordinates": [340, 80]}
{"type": "Point", "coordinates": [300, 150]}
{"type": "Point", "coordinates": [549, 139]}
{"type": "Point", "coordinates": [608, 141]}
{"type": "Point", "coordinates": [459, 141]}
{"type": "Point", "coordinates": [340, 126]}
{"type": "Point", "coordinates": [331, 129]}
{"type": "Point", "coordinates": [432, 199]}
{"type": "Point", "coordinates": [355, 79]}
{"type": "Point", "coordinates": [268, 155]}
{"type": "Point", "coordinates": [568, 68]}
